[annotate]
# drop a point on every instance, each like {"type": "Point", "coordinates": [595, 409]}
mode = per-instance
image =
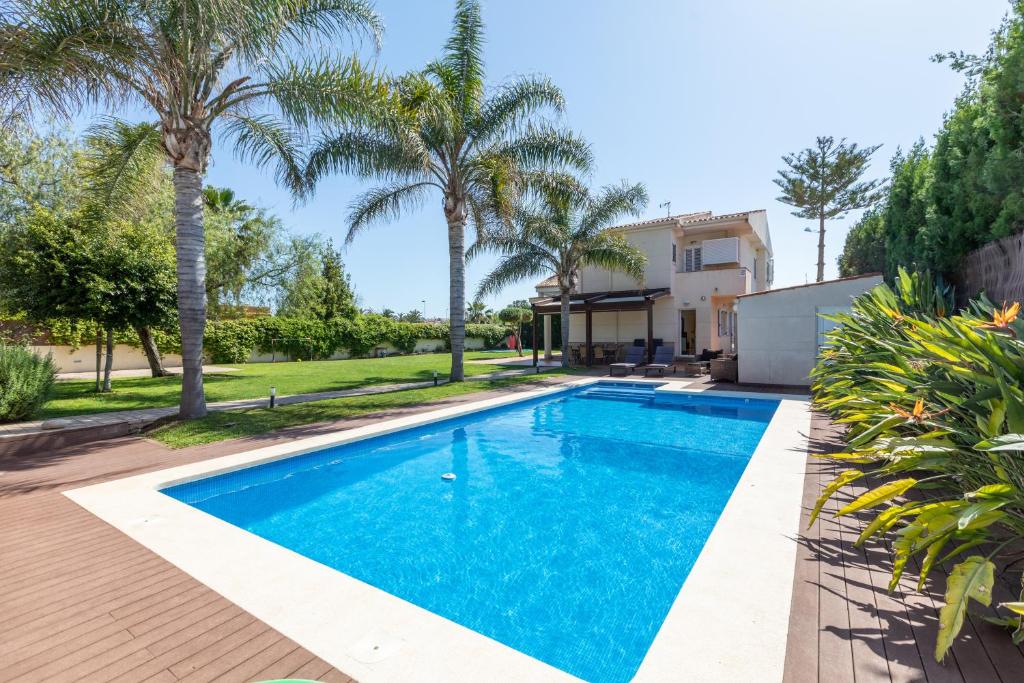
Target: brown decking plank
{"type": "Point", "coordinates": [313, 669]}
{"type": "Point", "coordinates": [96, 604]}
{"type": "Point", "coordinates": [835, 641]}
{"type": "Point", "coordinates": [283, 667]}
{"type": "Point", "coordinates": [219, 662]}
{"type": "Point", "coordinates": [63, 657]}
{"type": "Point", "coordinates": [270, 663]}
{"type": "Point", "coordinates": [801, 662]}
{"type": "Point", "coordinates": [71, 592]}
{"type": "Point", "coordinates": [869, 656]}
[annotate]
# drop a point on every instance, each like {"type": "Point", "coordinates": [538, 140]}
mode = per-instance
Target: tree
{"type": "Point", "coordinates": [320, 288]}
{"type": "Point", "coordinates": [564, 229]}
{"type": "Point", "coordinates": [450, 137]}
{"type": "Point", "coordinates": [413, 316]}
{"type": "Point", "coordinates": [196, 65]}
{"type": "Point", "coordinates": [477, 312]}
{"type": "Point", "coordinates": [81, 266]}
{"type": "Point", "coordinates": [36, 170]}
{"type": "Point", "coordinates": [516, 316]}
{"type": "Point", "coordinates": [823, 182]}
{"type": "Point", "coordinates": [864, 250]}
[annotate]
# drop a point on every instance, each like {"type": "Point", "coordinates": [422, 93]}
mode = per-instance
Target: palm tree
{"type": "Point", "coordinates": [477, 312]}
{"type": "Point", "coordinates": [564, 229]}
{"type": "Point", "coordinates": [448, 136]}
{"type": "Point", "coordinates": [198, 65]}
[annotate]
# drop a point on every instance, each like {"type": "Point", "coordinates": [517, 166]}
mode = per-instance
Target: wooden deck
{"type": "Point", "coordinates": [79, 601]}
{"type": "Point", "coordinates": [845, 626]}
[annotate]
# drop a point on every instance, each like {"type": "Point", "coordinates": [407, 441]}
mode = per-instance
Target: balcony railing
{"type": "Point", "coordinates": [717, 282]}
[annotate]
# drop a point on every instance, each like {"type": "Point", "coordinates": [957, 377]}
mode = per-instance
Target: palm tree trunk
{"type": "Point", "coordinates": [191, 265]}
{"type": "Point", "coordinates": [109, 361]}
{"type": "Point", "coordinates": [156, 364]}
{"type": "Point", "coordinates": [565, 328]}
{"type": "Point", "coordinates": [457, 291]}
{"type": "Point", "coordinates": [821, 248]}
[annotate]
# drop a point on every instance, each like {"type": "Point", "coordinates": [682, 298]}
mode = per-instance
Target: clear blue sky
{"type": "Point", "coordinates": [696, 99]}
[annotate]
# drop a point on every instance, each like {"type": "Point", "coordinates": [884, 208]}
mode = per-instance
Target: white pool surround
{"type": "Point", "coordinates": [728, 622]}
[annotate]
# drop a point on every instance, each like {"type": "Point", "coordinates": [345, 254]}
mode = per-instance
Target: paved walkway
{"type": "Point", "coordinates": [138, 372]}
{"type": "Point", "coordinates": [57, 432]}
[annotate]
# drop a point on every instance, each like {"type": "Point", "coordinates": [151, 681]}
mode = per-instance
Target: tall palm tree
{"type": "Point", "coordinates": [197, 65]}
{"type": "Point", "coordinates": [448, 135]}
{"type": "Point", "coordinates": [563, 229]}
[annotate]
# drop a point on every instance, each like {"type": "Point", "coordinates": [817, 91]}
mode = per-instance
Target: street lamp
{"type": "Point", "coordinates": [424, 302]}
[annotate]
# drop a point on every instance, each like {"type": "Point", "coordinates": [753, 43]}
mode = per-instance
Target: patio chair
{"type": "Point", "coordinates": [634, 357]}
{"type": "Point", "coordinates": [664, 358]}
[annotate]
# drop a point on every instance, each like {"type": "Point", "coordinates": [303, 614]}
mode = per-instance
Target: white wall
{"type": "Point", "coordinates": [625, 326]}
{"type": "Point", "coordinates": [778, 330]}
{"type": "Point", "coordinates": [656, 244]}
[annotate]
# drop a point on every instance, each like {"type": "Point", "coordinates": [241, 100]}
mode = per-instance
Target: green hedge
{"type": "Point", "coordinates": [25, 382]}
{"type": "Point", "coordinates": [234, 341]}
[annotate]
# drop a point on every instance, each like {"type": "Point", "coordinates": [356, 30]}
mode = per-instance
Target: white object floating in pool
{"type": "Point", "coordinates": [448, 476]}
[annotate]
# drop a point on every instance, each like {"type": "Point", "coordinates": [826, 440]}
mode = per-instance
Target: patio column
{"type": "Point", "coordinates": [650, 331]}
{"type": "Point", "coordinates": [533, 328]}
{"type": "Point", "coordinates": [590, 337]}
{"type": "Point", "coordinates": [547, 337]}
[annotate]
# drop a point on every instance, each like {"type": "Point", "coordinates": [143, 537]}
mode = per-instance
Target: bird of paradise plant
{"type": "Point", "coordinates": [934, 405]}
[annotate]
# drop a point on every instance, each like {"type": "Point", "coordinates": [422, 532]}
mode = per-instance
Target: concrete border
{"type": "Point", "coordinates": [728, 622]}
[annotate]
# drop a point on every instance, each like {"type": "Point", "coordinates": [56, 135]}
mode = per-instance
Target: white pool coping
{"type": "Point", "coordinates": [729, 621]}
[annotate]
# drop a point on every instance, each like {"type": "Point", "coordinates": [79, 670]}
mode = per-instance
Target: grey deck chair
{"type": "Point", "coordinates": [634, 357]}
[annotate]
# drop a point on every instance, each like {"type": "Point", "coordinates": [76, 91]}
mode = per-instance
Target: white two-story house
{"type": "Point", "coordinates": [697, 264]}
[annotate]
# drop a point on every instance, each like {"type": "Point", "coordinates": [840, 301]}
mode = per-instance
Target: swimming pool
{"type": "Point", "coordinates": [572, 523]}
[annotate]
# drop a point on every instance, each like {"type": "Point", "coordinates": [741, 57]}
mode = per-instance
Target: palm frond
{"type": "Point", "coordinates": [321, 91]}
{"type": "Point", "coordinates": [379, 154]}
{"type": "Point", "coordinates": [613, 252]}
{"type": "Point", "coordinates": [614, 202]}
{"type": "Point", "coordinates": [543, 146]}
{"type": "Point", "coordinates": [278, 24]}
{"type": "Point", "coordinates": [66, 55]}
{"type": "Point", "coordinates": [511, 269]}
{"type": "Point", "coordinates": [384, 203]}
{"type": "Point", "coordinates": [513, 105]}
{"type": "Point", "coordinates": [266, 141]}
{"type": "Point", "coordinates": [123, 162]}
{"type": "Point", "coordinates": [464, 55]}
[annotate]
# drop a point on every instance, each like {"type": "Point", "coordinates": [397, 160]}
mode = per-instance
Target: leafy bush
{"type": "Point", "coordinates": [233, 341]}
{"type": "Point", "coordinates": [25, 382]}
{"type": "Point", "coordinates": [935, 406]}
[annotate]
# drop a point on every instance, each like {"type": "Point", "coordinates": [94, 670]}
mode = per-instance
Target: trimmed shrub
{"type": "Point", "coordinates": [25, 382]}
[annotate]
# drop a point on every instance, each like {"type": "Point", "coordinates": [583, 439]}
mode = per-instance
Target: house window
{"type": "Point", "coordinates": [692, 259]}
{"type": "Point", "coordinates": [673, 253]}
{"type": "Point", "coordinates": [755, 267]}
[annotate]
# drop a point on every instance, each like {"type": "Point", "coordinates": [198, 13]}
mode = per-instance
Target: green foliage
{"type": "Point", "coordinates": [942, 397]}
{"type": "Point", "coordinates": [79, 268]}
{"type": "Point", "coordinates": [969, 189]}
{"type": "Point", "coordinates": [233, 341]}
{"type": "Point", "coordinates": [36, 170]}
{"type": "Point", "coordinates": [823, 181]}
{"type": "Point", "coordinates": [864, 251]}
{"type": "Point", "coordinates": [25, 382]}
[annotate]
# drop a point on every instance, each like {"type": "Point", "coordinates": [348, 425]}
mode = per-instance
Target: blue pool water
{"type": "Point", "coordinates": [570, 528]}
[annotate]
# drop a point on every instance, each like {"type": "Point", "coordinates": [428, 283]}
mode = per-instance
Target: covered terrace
{"type": "Point", "coordinates": [588, 304]}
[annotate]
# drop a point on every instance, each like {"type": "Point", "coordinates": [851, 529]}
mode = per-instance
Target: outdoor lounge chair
{"type": "Point", "coordinates": [634, 357]}
{"type": "Point", "coordinates": [664, 358]}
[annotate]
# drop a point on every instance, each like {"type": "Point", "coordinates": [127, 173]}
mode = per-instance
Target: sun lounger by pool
{"type": "Point", "coordinates": [634, 357]}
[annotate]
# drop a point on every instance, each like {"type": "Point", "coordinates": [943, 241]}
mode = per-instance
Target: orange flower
{"type": "Point", "coordinates": [917, 415]}
{"type": "Point", "coordinates": [1003, 318]}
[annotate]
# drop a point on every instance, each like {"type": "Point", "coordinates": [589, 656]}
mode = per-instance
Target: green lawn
{"type": "Point", "coordinates": [254, 380]}
{"type": "Point", "coordinates": [237, 423]}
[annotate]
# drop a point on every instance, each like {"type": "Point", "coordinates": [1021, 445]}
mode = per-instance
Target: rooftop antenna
{"type": "Point", "coordinates": [668, 206]}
